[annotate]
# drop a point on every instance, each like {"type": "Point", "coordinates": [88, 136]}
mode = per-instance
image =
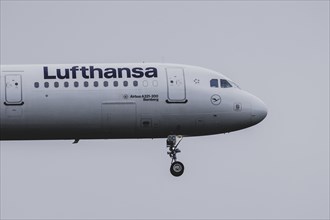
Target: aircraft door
{"type": "Point", "coordinates": [119, 118]}
{"type": "Point", "coordinates": [13, 90]}
{"type": "Point", "coordinates": [176, 86]}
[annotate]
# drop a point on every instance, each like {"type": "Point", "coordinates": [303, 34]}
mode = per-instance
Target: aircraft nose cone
{"type": "Point", "coordinates": [259, 111]}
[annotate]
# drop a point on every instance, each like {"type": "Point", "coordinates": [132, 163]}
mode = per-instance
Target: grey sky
{"type": "Point", "coordinates": [277, 50]}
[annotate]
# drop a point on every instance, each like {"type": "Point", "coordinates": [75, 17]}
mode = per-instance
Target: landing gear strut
{"type": "Point", "coordinates": [177, 167]}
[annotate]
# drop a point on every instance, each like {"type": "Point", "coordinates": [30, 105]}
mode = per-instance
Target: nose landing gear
{"type": "Point", "coordinates": [177, 167]}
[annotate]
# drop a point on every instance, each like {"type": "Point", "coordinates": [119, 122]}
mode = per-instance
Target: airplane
{"type": "Point", "coordinates": [127, 100]}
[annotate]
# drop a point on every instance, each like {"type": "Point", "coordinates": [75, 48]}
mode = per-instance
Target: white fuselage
{"type": "Point", "coordinates": [141, 100]}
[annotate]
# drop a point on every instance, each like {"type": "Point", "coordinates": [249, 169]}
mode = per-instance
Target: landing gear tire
{"type": "Point", "coordinates": [177, 168]}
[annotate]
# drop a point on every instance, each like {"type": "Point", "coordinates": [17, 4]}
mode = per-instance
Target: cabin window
{"type": "Point", "coordinates": [76, 84]}
{"type": "Point", "coordinates": [105, 83]}
{"type": "Point", "coordinates": [115, 83]}
{"type": "Point", "coordinates": [214, 83]}
{"type": "Point", "coordinates": [56, 84]}
{"type": "Point", "coordinates": [96, 84]}
{"type": "Point", "coordinates": [66, 84]}
{"type": "Point", "coordinates": [135, 83]}
{"type": "Point", "coordinates": [125, 83]}
{"type": "Point", "coordinates": [145, 83]}
{"type": "Point", "coordinates": [86, 84]}
{"type": "Point", "coordinates": [36, 85]}
{"type": "Point", "coordinates": [225, 84]}
{"type": "Point", "coordinates": [46, 84]}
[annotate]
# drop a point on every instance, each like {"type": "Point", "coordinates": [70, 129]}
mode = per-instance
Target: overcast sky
{"type": "Point", "coordinates": [277, 50]}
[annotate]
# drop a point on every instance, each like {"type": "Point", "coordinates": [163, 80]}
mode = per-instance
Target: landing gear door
{"type": "Point", "coordinates": [13, 90]}
{"type": "Point", "coordinates": [176, 86]}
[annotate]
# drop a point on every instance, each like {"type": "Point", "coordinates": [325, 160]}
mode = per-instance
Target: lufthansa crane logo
{"type": "Point", "coordinates": [215, 100]}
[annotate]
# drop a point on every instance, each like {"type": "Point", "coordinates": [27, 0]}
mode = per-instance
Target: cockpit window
{"type": "Point", "coordinates": [234, 84]}
{"type": "Point", "coordinates": [225, 84]}
{"type": "Point", "coordinates": [214, 83]}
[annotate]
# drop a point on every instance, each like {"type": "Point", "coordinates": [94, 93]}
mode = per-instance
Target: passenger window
{"type": "Point", "coordinates": [76, 84]}
{"type": "Point", "coordinates": [66, 84]}
{"type": "Point", "coordinates": [145, 83]}
{"type": "Point", "coordinates": [125, 83]}
{"type": "Point", "coordinates": [86, 84]}
{"type": "Point", "coordinates": [135, 83]}
{"type": "Point", "coordinates": [115, 83]}
{"type": "Point", "coordinates": [36, 85]}
{"type": "Point", "coordinates": [225, 84]}
{"type": "Point", "coordinates": [105, 84]}
{"type": "Point", "coordinates": [96, 84]}
{"type": "Point", "coordinates": [56, 84]}
{"type": "Point", "coordinates": [214, 83]}
{"type": "Point", "coordinates": [46, 84]}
